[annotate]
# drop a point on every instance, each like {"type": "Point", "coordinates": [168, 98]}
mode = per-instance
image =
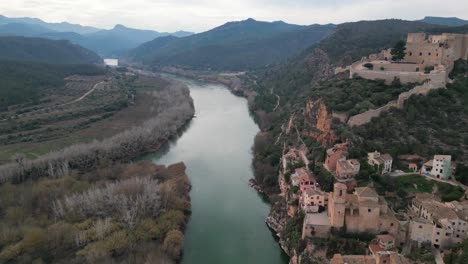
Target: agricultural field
{"type": "Point", "coordinates": [84, 109]}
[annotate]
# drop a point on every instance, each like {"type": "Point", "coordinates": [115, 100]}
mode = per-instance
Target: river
{"type": "Point", "coordinates": [227, 223]}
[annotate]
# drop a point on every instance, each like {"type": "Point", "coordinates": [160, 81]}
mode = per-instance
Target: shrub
{"type": "Point", "coordinates": [369, 66]}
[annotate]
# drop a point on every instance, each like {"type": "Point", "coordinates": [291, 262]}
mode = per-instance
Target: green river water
{"type": "Point", "coordinates": [228, 217]}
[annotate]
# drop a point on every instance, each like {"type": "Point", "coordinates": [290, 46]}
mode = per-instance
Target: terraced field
{"type": "Point", "coordinates": [86, 108]}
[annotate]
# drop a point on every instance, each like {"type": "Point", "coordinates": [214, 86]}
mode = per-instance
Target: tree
{"type": "Point", "coordinates": [173, 244]}
{"type": "Point", "coordinates": [398, 51]}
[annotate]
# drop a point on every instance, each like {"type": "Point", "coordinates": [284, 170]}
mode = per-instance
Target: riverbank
{"type": "Point", "coordinates": [94, 203]}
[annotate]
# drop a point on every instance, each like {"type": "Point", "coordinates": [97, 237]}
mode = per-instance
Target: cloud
{"type": "Point", "coordinates": [200, 15]}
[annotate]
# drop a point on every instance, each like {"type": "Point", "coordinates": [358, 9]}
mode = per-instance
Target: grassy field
{"type": "Point", "coordinates": [419, 184]}
{"type": "Point", "coordinates": [118, 103]}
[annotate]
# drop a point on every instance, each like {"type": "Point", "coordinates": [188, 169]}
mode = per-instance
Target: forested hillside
{"type": "Point", "coordinates": [310, 76]}
{"type": "Point", "coordinates": [45, 51]}
{"type": "Point", "coordinates": [27, 82]}
{"type": "Point", "coordinates": [234, 46]}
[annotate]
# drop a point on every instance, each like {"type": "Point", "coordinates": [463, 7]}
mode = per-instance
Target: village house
{"type": "Point", "coordinates": [413, 167]}
{"type": "Point", "coordinates": [316, 225]}
{"type": "Point", "coordinates": [443, 225]}
{"type": "Point", "coordinates": [382, 251]}
{"type": "Point", "coordinates": [384, 257]}
{"type": "Point", "coordinates": [381, 162]}
{"type": "Point", "coordinates": [440, 167]}
{"type": "Point", "coordinates": [313, 199]}
{"type": "Point", "coordinates": [303, 179]}
{"type": "Point", "coordinates": [362, 211]}
{"type": "Point", "coordinates": [334, 154]}
{"type": "Point", "coordinates": [347, 169]}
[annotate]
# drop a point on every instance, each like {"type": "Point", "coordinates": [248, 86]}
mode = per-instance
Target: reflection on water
{"type": "Point", "coordinates": [228, 217]}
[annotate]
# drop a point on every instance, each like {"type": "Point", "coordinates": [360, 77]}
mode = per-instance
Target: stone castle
{"type": "Point", "coordinates": [428, 60]}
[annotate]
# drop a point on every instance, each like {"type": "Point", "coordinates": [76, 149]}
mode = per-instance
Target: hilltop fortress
{"type": "Point", "coordinates": [428, 60]}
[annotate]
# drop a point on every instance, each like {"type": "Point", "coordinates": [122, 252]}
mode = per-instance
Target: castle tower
{"type": "Point", "coordinates": [337, 205]}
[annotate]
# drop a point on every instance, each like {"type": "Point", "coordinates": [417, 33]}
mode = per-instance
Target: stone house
{"type": "Point", "coordinates": [443, 225]}
{"type": "Point", "coordinates": [316, 225]}
{"type": "Point", "coordinates": [312, 200]}
{"type": "Point", "coordinates": [384, 257]}
{"type": "Point", "coordinates": [382, 162]}
{"type": "Point", "coordinates": [303, 179]}
{"type": "Point", "coordinates": [346, 169]}
{"type": "Point", "coordinates": [334, 154]}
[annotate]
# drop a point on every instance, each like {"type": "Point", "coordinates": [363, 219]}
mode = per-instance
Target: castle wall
{"type": "Point", "coordinates": [424, 54]}
{"type": "Point", "coordinates": [416, 37]}
{"type": "Point", "coordinates": [389, 75]}
{"type": "Point", "coordinates": [366, 117]}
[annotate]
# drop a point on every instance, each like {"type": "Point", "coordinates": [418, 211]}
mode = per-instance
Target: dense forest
{"type": "Point", "coordinates": [45, 51]}
{"type": "Point", "coordinates": [239, 45]}
{"type": "Point", "coordinates": [26, 82]}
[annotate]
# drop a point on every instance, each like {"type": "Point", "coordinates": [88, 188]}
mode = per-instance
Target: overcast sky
{"type": "Point", "coordinates": [201, 15]}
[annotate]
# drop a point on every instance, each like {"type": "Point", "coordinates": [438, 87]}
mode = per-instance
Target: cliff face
{"type": "Point", "coordinates": [317, 117]}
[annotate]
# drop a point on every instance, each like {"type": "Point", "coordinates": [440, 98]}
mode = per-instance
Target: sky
{"type": "Point", "coordinates": [202, 15]}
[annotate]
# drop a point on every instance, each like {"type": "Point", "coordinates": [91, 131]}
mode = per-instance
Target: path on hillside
{"type": "Point", "coordinates": [60, 105]}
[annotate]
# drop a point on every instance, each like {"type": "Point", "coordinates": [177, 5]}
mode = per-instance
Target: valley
{"type": "Point", "coordinates": [248, 142]}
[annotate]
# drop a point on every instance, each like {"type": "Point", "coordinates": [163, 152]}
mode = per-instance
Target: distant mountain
{"type": "Point", "coordinates": [21, 29]}
{"type": "Point", "coordinates": [445, 21]}
{"type": "Point", "coordinates": [60, 27]}
{"type": "Point", "coordinates": [236, 45]}
{"type": "Point", "coordinates": [111, 42]}
{"type": "Point", "coordinates": [45, 51]}
{"type": "Point", "coordinates": [116, 40]}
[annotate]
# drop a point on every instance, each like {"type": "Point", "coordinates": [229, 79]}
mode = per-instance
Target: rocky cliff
{"type": "Point", "coordinates": [318, 117]}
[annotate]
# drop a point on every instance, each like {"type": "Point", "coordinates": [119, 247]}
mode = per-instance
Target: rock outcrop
{"type": "Point", "coordinates": [317, 116]}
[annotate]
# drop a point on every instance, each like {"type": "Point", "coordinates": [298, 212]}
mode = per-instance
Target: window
{"type": "Point", "coordinates": [447, 234]}
{"type": "Point", "coordinates": [438, 233]}
{"type": "Point", "coordinates": [420, 226]}
{"type": "Point", "coordinates": [458, 235]}
{"type": "Point", "coordinates": [391, 224]}
{"type": "Point", "coordinates": [437, 240]}
{"type": "Point", "coordinates": [369, 210]}
{"type": "Point", "coordinates": [420, 53]}
{"type": "Point", "coordinates": [429, 54]}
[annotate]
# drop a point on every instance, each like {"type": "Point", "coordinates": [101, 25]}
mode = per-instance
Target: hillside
{"type": "Point", "coordinates": [303, 81]}
{"type": "Point", "coordinates": [45, 51]}
{"type": "Point", "coordinates": [233, 46]}
{"type": "Point", "coordinates": [27, 82]}
{"type": "Point", "coordinates": [445, 21]}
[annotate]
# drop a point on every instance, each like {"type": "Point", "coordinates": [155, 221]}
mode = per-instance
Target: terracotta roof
{"type": "Point", "coordinates": [366, 192]}
{"type": "Point", "coordinates": [385, 238]}
{"type": "Point", "coordinates": [386, 157]}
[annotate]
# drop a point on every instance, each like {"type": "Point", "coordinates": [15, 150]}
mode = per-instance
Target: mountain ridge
{"type": "Point", "coordinates": [259, 43]}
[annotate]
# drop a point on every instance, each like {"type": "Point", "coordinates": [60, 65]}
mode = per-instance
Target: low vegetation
{"type": "Point", "coordinates": [114, 214]}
